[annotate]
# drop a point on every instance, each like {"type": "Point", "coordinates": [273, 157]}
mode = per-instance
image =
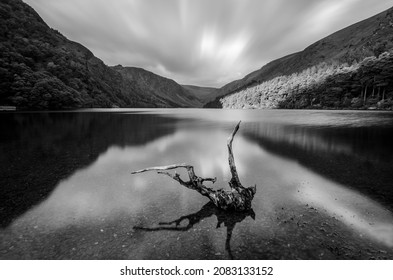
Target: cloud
{"type": "Point", "coordinates": [204, 42]}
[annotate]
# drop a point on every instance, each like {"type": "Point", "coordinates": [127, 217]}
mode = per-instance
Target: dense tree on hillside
{"type": "Point", "coordinates": [367, 84]}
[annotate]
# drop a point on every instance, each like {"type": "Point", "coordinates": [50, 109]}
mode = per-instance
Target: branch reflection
{"type": "Point", "coordinates": [228, 218]}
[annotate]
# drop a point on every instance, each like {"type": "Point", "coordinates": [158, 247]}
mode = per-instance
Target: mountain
{"type": "Point", "coordinates": [342, 70]}
{"type": "Point", "coordinates": [205, 94]}
{"type": "Point", "coordinates": [154, 85]}
{"type": "Point", "coordinates": [42, 69]}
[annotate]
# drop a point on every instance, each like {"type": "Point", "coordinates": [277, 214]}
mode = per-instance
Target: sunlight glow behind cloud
{"type": "Point", "coordinates": [204, 42]}
{"type": "Point", "coordinates": [326, 12]}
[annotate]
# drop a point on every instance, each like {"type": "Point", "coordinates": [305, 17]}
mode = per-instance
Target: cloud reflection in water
{"type": "Point", "coordinates": [106, 190]}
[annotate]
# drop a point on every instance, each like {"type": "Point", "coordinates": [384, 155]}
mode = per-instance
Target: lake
{"type": "Point", "coordinates": [324, 184]}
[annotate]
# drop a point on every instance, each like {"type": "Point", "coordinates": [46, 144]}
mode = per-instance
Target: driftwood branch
{"type": "Point", "coordinates": [234, 183]}
{"type": "Point", "coordinates": [238, 198]}
{"type": "Point", "coordinates": [167, 167]}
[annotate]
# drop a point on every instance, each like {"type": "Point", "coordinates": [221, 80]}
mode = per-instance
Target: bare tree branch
{"type": "Point", "coordinates": [213, 180]}
{"type": "Point", "coordinates": [167, 167]}
{"type": "Point", "coordinates": [238, 198]}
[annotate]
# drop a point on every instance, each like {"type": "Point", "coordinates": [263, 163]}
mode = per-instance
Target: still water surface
{"type": "Point", "coordinates": [324, 185]}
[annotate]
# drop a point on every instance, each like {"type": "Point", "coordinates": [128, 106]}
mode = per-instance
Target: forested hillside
{"type": "Point", "coordinates": [41, 69]}
{"type": "Point", "coordinates": [364, 85]}
{"type": "Point", "coordinates": [348, 69]}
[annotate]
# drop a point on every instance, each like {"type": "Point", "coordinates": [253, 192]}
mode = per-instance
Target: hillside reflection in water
{"type": "Point", "coordinates": [300, 212]}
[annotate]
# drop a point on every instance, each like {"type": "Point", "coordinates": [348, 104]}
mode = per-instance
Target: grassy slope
{"type": "Point", "coordinates": [206, 94]}
{"type": "Point", "coordinates": [166, 89]}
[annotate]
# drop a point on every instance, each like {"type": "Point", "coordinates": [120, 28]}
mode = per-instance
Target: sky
{"type": "Point", "coordinates": [200, 42]}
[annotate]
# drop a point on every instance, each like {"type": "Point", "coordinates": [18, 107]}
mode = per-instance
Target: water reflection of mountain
{"type": "Point", "coordinates": [358, 157]}
{"type": "Point", "coordinates": [37, 150]}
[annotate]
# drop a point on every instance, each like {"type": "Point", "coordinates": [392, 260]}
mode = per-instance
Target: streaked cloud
{"type": "Point", "coordinates": [202, 42]}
